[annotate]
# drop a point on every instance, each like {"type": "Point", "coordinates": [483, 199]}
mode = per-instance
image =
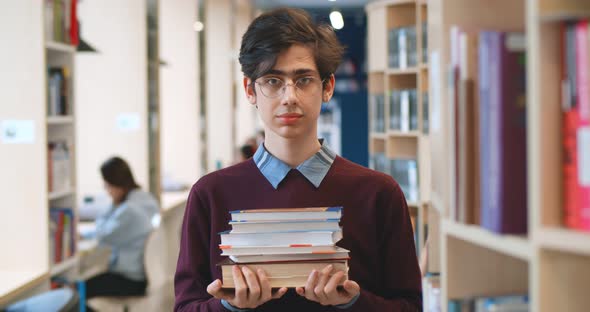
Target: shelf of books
{"type": "Point", "coordinates": [510, 124]}
{"type": "Point", "coordinates": [398, 89]}
{"type": "Point", "coordinates": [61, 38]}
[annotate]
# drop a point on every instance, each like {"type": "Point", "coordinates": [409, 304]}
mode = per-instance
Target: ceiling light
{"type": "Point", "coordinates": [198, 26]}
{"type": "Point", "coordinates": [336, 20]}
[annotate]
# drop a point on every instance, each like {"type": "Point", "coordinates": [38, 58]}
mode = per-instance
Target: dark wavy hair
{"type": "Point", "coordinates": [115, 171]}
{"type": "Point", "coordinates": [275, 31]}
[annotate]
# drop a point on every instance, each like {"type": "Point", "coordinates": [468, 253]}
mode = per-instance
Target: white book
{"type": "Point", "coordinates": [405, 110]}
{"type": "Point", "coordinates": [284, 226]}
{"type": "Point", "coordinates": [279, 214]}
{"type": "Point", "coordinates": [290, 257]}
{"type": "Point", "coordinates": [281, 238]}
{"type": "Point", "coordinates": [403, 47]}
{"type": "Point", "coordinates": [279, 250]}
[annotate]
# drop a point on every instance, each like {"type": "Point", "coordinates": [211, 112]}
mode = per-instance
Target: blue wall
{"type": "Point", "coordinates": [355, 116]}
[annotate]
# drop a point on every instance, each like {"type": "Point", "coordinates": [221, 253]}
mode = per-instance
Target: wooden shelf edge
{"type": "Point", "coordinates": [402, 71]}
{"type": "Point", "coordinates": [65, 265]}
{"type": "Point", "coordinates": [563, 16]}
{"type": "Point", "coordinates": [27, 284]}
{"type": "Point", "coordinates": [385, 3]}
{"type": "Point", "coordinates": [173, 200]}
{"type": "Point", "coordinates": [378, 135]}
{"type": "Point", "coordinates": [60, 47]}
{"type": "Point", "coordinates": [60, 120]}
{"type": "Point", "coordinates": [511, 245]}
{"type": "Point", "coordinates": [407, 134]}
{"type": "Point", "coordinates": [563, 239]}
{"type": "Point", "coordinates": [61, 194]}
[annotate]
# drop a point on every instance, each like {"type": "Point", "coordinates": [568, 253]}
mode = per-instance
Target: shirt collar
{"type": "Point", "coordinates": [313, 169]}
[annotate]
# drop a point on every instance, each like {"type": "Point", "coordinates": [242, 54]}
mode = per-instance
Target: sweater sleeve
{"type": "Point", "coordinates": [192, 270]}
{"type": "Point", "coordinates": [401, 287]}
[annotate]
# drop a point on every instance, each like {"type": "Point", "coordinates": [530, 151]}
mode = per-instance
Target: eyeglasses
{"type": "Point", "coordinates": [273, 87]}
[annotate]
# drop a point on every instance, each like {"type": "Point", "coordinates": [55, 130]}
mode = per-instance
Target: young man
{"type": "Point", "coordinates": [288, 64]}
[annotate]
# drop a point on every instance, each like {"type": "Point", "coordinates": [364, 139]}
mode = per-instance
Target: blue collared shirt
{"type": "Point", "coordinates": [313, 169]}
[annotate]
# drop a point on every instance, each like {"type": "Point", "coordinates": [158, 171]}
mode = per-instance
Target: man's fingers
{"type": "Point", "coordinates": [215, 290]}
{"type": "Point", "coordinates": [279, 293]}
{"type": "Point", "coordinates": [265, 290]}
{"type": "Point", "coordinates": [351, 288]}
{"type": "Point", "coordinates": [240, 284]}
{"type": "Point", "coordinates": [310, 285]}
{"type": "Point", "coordinates": [323, 279]}
{"type": "Point", "coordinates": [253, 284]}
{"type": "Point", "coordinates": [331, 287]}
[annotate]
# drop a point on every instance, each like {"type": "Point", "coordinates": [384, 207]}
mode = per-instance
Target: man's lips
{"type": "Point", "coordinates": [289, 118]}
{"type": "Point", "coordinates": [290, 115]}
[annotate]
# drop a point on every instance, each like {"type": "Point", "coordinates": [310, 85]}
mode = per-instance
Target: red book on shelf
{"type": "Point", "coordinates": [74, 38]}
{"type": "Point", "coordinates": [576, 125]}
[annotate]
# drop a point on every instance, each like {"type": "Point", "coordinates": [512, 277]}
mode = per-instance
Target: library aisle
{"type": "Point", "coordinates": [479, 109]}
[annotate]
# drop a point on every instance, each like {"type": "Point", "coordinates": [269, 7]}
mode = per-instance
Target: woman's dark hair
{"type": "Point", "coordinates": [115, 171]}
{"type": "Point", "coordinates": [275, 31]}
{"type": "Point", "coordinates": [247, 151]}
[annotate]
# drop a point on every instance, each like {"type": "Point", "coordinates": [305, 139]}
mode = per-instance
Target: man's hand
{"type": "Point", "coordinates": [324, 289]}
{"type": "Point", "coordinates": [251, 289]}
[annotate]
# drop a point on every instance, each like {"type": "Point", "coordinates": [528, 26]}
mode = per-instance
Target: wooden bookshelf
{"type": "Point", "coordinates": [384, 78]}
{"type": "Point", "coordinates": [551, 263]}
{"type": "Point", "coordinates": [61, 128]}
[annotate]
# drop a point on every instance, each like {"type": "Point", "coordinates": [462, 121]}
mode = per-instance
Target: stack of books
{"type": "Point", "coordinates": [286, 243]}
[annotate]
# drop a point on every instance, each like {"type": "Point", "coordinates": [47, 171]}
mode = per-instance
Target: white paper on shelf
{"type": "Point", "coordinates": [583, 138]}
{"type": "Point", "coordinates": [405, 110]}
{"type": "Point", "coordinates": [17, 131]}
{"type": "Point", "coordinates": [435, 90]}
{"type": "Point", "coordinates": [128, 122]}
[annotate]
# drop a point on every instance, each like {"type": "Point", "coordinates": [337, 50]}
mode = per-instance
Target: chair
{"type": "Point", "coordinates": [160, 291]}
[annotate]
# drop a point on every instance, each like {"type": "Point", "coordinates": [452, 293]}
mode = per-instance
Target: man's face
{"type": "Point", "coordinates": [290, 96]}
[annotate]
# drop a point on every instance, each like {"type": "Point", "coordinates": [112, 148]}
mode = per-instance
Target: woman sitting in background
{"type": "Point", "coordinates": [124, 228]}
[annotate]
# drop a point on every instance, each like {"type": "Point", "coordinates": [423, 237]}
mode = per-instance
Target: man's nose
{"type": "Point", "coordinates": [289, 93]}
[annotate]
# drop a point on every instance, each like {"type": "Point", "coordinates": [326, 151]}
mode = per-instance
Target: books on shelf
{"type": "Point", "coordinates": [402, 47]}
{"type": "Point", "coordinates": [59, 166]}
{"type": "Point", "coordinates": [488, 99]}
{"type": "Point", "coordinates": [576, 123]}
{"type": "Point", "coordinates": [379, 162]}
{"type": "Point", "coordinates": [509, 303]}
{"type": "Point", "coordinates": [403, 170]}
{"type": "Point", "coordinates": [286, 243]}
{"type": "Point", "coordinates": [405, 173]}
{"type": "Point", "coordinates": [377, 106]}
{"type": "Point", "coordinates": [502, 94]}
{"type": "Point", "coordinates": [403, 110]}
{"type": "Point", "coordinates": [62, 234]}
{"type": "Point", "coordinates": [425, 114]}
{"type": "Point", "coordinates": [424, 42]}
{"type": "Point", "coordinates": [431, 294]}
{"type": "Point", "coordinates": [58, 88]}
{"type": "Point", "coordinates": [61, 23]}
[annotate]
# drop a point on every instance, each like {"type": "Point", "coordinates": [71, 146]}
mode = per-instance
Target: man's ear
{"type": "Point", "coordinates": [328, 89]}
{"type": "Point", "coordinates": [249, 89]}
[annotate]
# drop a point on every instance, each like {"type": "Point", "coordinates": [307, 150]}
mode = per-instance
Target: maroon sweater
{"type": "Point", "coordinates": [376, 229]}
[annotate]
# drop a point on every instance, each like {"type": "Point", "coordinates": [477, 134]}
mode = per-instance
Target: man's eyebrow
{"type": "Point", "coordinates": [296, 72]}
